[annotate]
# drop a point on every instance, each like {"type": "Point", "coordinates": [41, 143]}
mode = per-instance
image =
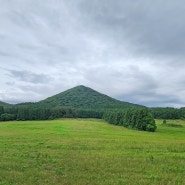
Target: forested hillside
{"type": "Point", "coordinates": [82, 97]}
{"type": "Point", "coordinates": [79, 101]}
{"type": "Point", "coordinates": [168, 113]}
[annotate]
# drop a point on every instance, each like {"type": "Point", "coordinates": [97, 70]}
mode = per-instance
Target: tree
{"type": "Point", "coordinates": [140, 119]}
{"type": "Point", "coordinates": [1, 110]}
{"type": "Point", "coordinates": [7, 117]}
{"type": "Point", "coordinates": [23, 114]}
{"type": "Point", "coordinates": [164, 122]}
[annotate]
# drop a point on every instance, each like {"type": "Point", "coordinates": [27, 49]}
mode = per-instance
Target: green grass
{"type": "Point", "coordinates": [90, 152]}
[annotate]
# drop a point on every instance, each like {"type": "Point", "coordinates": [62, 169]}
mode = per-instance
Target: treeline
{"type": "Point", "coordinates": [25, 113]}
{"type": "Point", "coordinates": [140, 119]}
{"type": "Point", "coordinates": [168, 113]}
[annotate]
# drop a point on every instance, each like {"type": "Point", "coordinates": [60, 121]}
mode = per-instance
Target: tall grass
{"type": "Point", "coordinates": [92, 152]}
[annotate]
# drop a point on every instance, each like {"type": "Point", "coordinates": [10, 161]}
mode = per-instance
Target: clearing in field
{"type": "Point", "coordinates": [90, 151]}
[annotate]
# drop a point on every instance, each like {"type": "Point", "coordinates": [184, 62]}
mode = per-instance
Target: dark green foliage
{"type": "Point", "coordinates": [7, 117]}
{"type": "Point", "coordinates": [1, 110]}
{"type": "Point", "coordinates": [84, 102]}
{"type": "Point", "coordinates": [150, 123]}
{"type": "Point", "coordinates": [83, 98]}
{"type": "Point", "coordinates": [140, 119]}
{"type": "Point", "coordinates": [62, 113]}
{"type": "Point", "coordinates": [39, 114]}
{"type": "Point", "coordinates": [26, 113]}
{"type": "Point", "coordinates": [167, 113]}
{"type": "Point", "coordinates": [11, 109]}
{"type": "Point", "coordinates": [116, 118]}
{"type": "Point", "coordinates": [164, 121]}
{"type": "Point", "coordinates": [80, 101]}
{"type": "Point", "coordinates": [182, 113]}
{"type": "Point", "coordinates": [23, 114]}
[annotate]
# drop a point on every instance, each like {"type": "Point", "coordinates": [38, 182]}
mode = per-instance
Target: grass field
{"type": "Point", "coordinates": [90, 152]}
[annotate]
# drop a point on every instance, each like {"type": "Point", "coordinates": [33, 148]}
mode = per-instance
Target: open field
{"type": "Point", "coordinates": [90, 152]}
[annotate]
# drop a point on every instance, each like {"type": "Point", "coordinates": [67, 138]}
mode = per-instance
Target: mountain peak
{"type": "Point", "coordinates": [83, 97]}
{"type": "Point", "coordinates": [80, 87]}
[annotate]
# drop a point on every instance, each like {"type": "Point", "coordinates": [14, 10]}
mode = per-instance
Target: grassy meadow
{"type": "Point", "coordinates": [90, 152]}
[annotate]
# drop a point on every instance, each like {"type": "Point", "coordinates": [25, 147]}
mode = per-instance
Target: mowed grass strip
{"type": "Point", "coordinates": [92, 152]}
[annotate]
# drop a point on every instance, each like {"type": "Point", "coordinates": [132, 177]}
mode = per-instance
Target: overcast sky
{"type": "Point", "coordinates": [130, 50]}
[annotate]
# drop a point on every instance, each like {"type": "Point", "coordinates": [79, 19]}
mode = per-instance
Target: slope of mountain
{"type": "Point", "coordinates": [3, 104]}
{"type": "Point", "coordinates": [82, 97]}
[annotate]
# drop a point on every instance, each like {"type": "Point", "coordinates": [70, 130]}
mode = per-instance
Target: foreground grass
{"type": "Point", "coordinates": [90, 152]}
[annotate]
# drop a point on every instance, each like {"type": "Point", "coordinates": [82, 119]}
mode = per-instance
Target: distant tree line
{"type": "Point", "coordinates": [168, 113]}
{"type": "Point", "coordinates": [138, 118]}
{"type": "Point", "coordinates": [25, 113]}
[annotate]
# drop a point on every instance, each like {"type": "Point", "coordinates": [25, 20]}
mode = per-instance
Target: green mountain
{"type": "Point", "coordinates": [3, 104]}
{"type": "Point", "coordinates": [82, 97]}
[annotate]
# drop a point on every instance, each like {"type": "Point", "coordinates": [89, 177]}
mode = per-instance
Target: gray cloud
{"type": "Point", "coordinates": [152, 27]}
{"type": "Point", "coordinates": [131, 50]}
{"type": "Point", "coordinates": [27, 76]}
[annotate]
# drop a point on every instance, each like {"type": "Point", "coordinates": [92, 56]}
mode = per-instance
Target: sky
{"type": "Point", "coordinates": [133, 51]}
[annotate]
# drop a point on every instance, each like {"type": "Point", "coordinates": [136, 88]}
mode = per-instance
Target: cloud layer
{"type": "Point", "coordinates": [130, 50]}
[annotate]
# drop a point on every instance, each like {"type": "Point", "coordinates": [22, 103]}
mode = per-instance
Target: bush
{"type": "Point", "coordinates": [7, 117]}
